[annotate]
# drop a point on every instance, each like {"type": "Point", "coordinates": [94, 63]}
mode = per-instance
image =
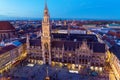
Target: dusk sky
{"type": "Point", "coordinates": [92, 9]}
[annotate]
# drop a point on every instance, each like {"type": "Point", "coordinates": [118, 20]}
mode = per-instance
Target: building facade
{"type": "Point", "coordinates": [74, 51]}
{"type": "Point", "coordinates": [114, 60]}
{"type": "Point", "coordinates": [11, 55]}
{"type": "Point", "coordinates": [115, 65]}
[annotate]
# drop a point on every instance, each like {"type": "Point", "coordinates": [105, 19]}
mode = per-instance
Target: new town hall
{"type": "Point", "coordinates": [74, 51]}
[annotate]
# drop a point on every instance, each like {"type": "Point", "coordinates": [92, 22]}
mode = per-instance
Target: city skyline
{"type": "Point", "coordinates": [58, 49]}
{"type": "Point", "coordinates": [78, 9]}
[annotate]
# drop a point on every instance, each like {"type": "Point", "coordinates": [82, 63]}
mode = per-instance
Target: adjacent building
{"type": "Point", "coordinates": [6, 30]}
{"type": "Point", "coordinates": [115, 60]}
{"type": "Point", "coordinates": [11, 55]}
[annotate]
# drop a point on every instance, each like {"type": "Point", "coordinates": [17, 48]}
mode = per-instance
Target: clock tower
{"type": "Point", "coordinates": [46, 37]}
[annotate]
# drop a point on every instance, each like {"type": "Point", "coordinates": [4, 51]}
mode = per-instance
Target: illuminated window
{"type": "Point", "coordinates": [91, 68]}
{"type": "Point", "coordinates": [60, 55]}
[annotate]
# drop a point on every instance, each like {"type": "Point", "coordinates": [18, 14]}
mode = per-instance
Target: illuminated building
{"type": "Point", "coordinates": [65, 23]}
{"type": "Point", "coordinates": [114, 60]}
{"type": "Point", "coordinates": [115, 65]}
{"type": "Point", "coordinates": [11, 55]}
{"type": "Point", "coordinates": [74, 51]}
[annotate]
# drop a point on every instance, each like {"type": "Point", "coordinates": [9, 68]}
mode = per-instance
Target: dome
{"type": "Point", "coordinates": [5, 25]}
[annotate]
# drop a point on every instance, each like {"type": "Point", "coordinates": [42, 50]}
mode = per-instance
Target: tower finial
{"type": "Point", "coordinates": [46, 12]}
{"type": "Point", "coordinates": [46, 8]}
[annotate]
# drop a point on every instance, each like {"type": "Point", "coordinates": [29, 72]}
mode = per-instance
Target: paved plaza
{"type": "Point", "coordinates": [39, 72]}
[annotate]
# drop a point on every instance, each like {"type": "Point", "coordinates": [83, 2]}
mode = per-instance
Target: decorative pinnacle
{"type": "Point", "coordinates": [46, 8]}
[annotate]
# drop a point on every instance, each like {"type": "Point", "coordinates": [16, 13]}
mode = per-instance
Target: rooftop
{"type": "Point", "coordinates": [5, 25]}
{"type": "Point", "coordinates": [72, 42]}
{"type": "Point", "coordinates": [7, 48]}
{"type": "Point", "coordinates": [10, 46]}
{"type": "Point", "coordinates": [116, 50]}
{"type": "Point", "coordinates": [77, 37]}
{"type": "Point", "coordinates": [71, 45]}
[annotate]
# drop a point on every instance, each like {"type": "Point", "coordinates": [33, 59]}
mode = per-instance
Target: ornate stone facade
{"type": "Point", "coordinates": [75, 51]}
{"type": "Point", "coordinates": [46, 38]}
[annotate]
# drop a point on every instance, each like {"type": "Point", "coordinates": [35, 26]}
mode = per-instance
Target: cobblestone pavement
{"type": "Point", "coordinates": [38, 72]}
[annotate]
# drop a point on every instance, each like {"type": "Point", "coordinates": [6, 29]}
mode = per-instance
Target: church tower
{"type": "Point", "coordinates": [28, 43]}
{"type": "Point", "coordinates": [46, 37]}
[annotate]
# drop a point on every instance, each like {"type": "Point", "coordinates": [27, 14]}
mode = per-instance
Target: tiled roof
{"type": "Point", "coordinates": [5, 25]}
{"type": "Point", "coordinates": [99, 47]}
{"type": "Point", "coordinates": [17, 43]}
{"type": "Point", "coordinates": [7, 48]}
{"type": "Point", "coordinates": [116, 50]}
{"type": "Point", "coordinates": [71, 45]}
{"type": "Point", "coordinates": [35, 42]}
{"type": "Point", "coordinates": [23, 41]}
{"type": "Point", "coordinates": [78, 37]}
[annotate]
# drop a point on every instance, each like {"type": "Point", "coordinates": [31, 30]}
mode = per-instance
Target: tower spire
{"type": "Point", "coordinates": [46, 8]}
{"type": "Point", "coordinates": [46, 37]}
{"type": "Point", "coordinates": [27, 43]}
{"type": "Point", "coordinates": [46, 13]}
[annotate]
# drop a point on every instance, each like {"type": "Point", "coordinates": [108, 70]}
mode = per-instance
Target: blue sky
{"type": "Point", "coordinates": [93, 9]}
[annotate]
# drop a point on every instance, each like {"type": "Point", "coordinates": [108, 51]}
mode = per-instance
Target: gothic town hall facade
{"type": "Point", "coordinates": [74, 51]}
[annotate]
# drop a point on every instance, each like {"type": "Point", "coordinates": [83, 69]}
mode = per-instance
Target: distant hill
{"type": "Point", "coordinates": [4, 17]}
